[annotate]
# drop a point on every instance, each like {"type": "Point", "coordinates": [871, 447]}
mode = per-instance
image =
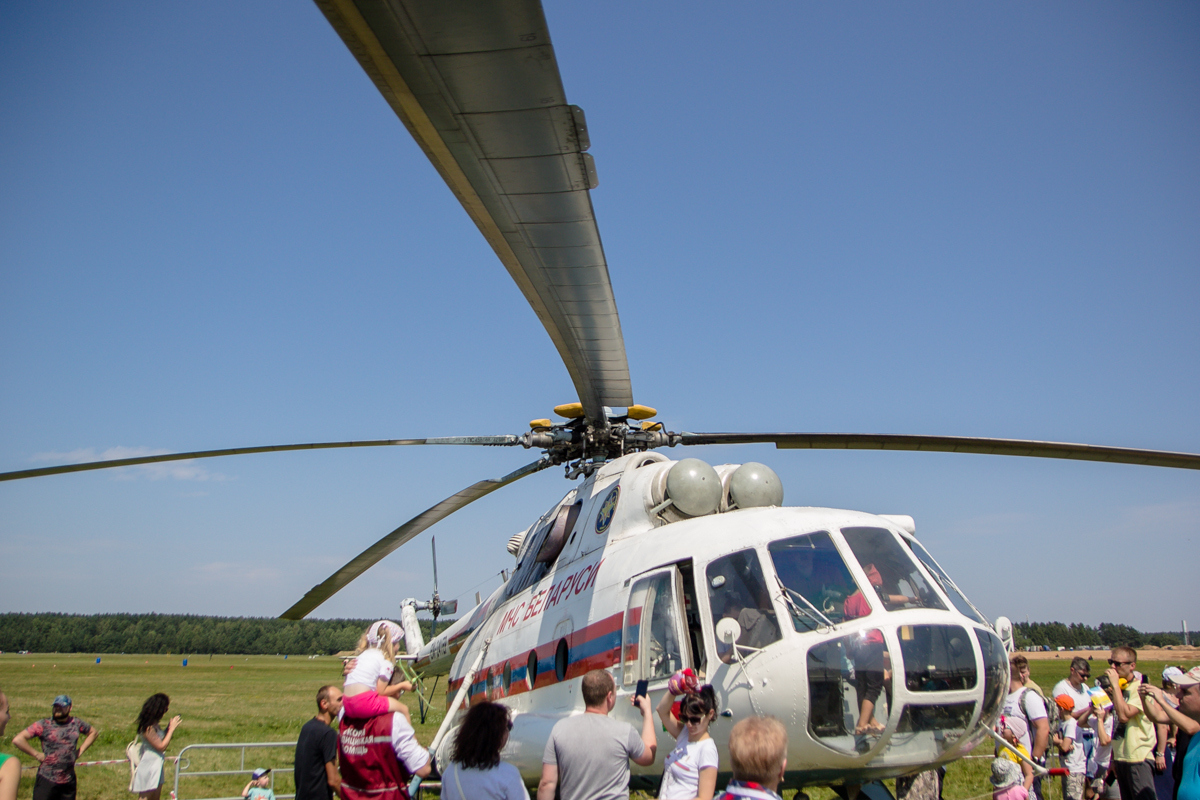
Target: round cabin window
{"type": "Point", "coordinates": [560, 660]}
{"type": "Point", "coordinates": [531, 669]}
{"type": "Point", "coordinates": [506, 676]}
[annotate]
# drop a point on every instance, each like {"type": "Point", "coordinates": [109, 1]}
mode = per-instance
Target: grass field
{"type": "Point", "coordinates": [227, 699]}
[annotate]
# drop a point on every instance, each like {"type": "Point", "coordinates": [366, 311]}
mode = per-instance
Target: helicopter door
{"type": "Point", "coordinates": [653, 635]}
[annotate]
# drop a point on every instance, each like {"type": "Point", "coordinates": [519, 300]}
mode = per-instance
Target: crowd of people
{"type": "Point", "coordinates": [1123, 739]}
{"type": "Point", "coordinates": [375, 754]}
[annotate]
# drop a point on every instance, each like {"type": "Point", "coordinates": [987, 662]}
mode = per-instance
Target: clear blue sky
{"type": "Point", "coordinates": [945, 218]}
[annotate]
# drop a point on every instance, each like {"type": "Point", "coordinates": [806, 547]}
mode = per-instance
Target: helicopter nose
{"type": "Point", "coordinates": [919, 693]}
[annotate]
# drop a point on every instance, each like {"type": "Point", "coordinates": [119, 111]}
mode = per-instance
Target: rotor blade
{"type": "Point", "coordinates": [433, 544]}
{"type": "Point", "coordinates": [477, 85]}
{"type": "Point", "coordinates": [491, 441]}
{"type": "Point", "coordinates": [376, 552]}
{"type": "Point", "coordinates": [951, 444]}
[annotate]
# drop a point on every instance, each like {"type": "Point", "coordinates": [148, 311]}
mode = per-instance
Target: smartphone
{"type": "Point", "coordinates": [643, 687]}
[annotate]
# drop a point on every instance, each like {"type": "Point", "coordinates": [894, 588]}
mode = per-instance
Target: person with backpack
{"type": "Point", "coordinates": [1025, 704]}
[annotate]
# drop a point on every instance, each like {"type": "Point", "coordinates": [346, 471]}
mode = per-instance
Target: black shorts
{"type": "Point", "coordinates": [44, 789]}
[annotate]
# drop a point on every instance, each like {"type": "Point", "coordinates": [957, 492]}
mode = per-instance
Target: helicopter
{"type": "Point", "coordinates": [604, 441]}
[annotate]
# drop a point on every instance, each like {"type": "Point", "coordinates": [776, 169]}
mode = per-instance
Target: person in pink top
{"type": "Point", "coordinates": [868, 658]}
{"type": "Point", "coordinates": [1006, 781]}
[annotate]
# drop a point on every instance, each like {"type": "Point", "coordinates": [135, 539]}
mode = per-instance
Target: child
{"type": "Point", "coordinates": [1006, 780]}
{"type": "Point", "coordinates": [1070, 748]}
{"type": "Point", "coordinates": [257, 789]}
{"type": "Point", "coordinates": [1103, 725]}
{"type": "Point", "coordinates": [367, 691]}
{"type": "Point", "coordinates": [1013, 737]}
{"type": "Point", "coordinates": [758, 754]}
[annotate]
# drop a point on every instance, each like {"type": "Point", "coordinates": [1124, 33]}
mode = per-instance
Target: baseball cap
{"type": "Point", "coordinates": [258, 773]}
{"type": "Point", "coordinates": [1189, 678]}
{"type": "Point", "coordinates": [1065, 702]}
{"type": "Point", "coordinates": [62, 700]}
{"type": "Point", "coordinates": [1172, 674]}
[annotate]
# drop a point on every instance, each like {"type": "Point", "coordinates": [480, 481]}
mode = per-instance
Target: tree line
{"type": "Point", "coordinates": [1106, 634]}
{"type": "Point", "coordinates": [181, 633]}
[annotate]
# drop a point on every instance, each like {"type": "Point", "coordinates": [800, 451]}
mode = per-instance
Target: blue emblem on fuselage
{"type": "Point", "coordinates": [607, 509]}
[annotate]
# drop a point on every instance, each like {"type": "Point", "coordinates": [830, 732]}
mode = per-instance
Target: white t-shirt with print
{"type": "Point", "coordinates": [681, 770]}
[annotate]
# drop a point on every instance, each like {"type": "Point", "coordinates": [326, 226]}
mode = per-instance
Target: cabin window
{"type": "Point", "coordinates": [652, 634]}
{"type": "Point", "coordinates": [894, 575]}
{"type": "Point", "coordinates": [995, 672]}
{"type": "Point", "coordinates": [849, 690]}
{"type": "Point", "coordinates": [937, 658]}
{"type": "Point", "coordinates": [738, 590]}
{"type": "Point", "coordinates": [816, 579]}
{"type": "Point", "coordinates": [560, 660]}
{"type": "Point", "coordinates": [531, 668]}
{"type": "Point", "coordinates": [956, 597]}
{"type": "Point", "coordinates": [506, 676]}
{"type": "Point", "coordinates": [564, 524]}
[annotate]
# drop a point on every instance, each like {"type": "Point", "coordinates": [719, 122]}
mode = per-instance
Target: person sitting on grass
{"type": "Point", "coordinates": [259, 786]}
{"type": "Point", "coordinates": [368, 691]}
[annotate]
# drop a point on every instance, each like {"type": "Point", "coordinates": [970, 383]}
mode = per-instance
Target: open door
{"type": "Point", "coordinates": [653, 640]}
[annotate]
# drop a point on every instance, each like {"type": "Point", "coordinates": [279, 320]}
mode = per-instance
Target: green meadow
{"type": "Point", "coordinates": [239, 699]}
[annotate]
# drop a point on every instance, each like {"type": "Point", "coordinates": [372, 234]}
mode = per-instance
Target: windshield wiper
{"type": "Point", "coordinates": [813, 612]}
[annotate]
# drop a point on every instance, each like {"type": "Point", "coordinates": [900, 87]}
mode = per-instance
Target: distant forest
{"type": "Point", "coordinates": [182, 634]}
{"type": "Point", "coordinates": [1058, 634]}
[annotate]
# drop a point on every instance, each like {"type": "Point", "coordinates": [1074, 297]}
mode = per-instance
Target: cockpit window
{"type": "Point", "coordinates": [815, 578]}
{"type": "Point", "coordinates": [896, 578]}
{"type": "Point", "coordinates": [956, 597]}
{"type": "Point", "coordinates": [738, 590]}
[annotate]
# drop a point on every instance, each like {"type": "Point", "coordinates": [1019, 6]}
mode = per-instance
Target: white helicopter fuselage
{"type": "Point", "coordinates": [638, 589]}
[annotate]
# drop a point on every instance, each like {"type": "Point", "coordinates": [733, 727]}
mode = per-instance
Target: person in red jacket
{"type": "Point", "coordinates": [378, 757]}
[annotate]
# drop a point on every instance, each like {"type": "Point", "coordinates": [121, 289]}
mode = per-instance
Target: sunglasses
{"type": "Point", "coordinates": [1112, 663]}
{"type": "Point", "coordinates": [691, 720]}
{"type": "Point", "coordinates": [510, 724]}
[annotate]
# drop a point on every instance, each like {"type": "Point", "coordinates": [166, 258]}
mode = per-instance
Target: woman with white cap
{"type": "Point", "coordinates": [368, 690]}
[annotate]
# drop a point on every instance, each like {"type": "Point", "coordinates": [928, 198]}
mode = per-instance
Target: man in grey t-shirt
{"type": "Point", "coordinates": [587, 756]}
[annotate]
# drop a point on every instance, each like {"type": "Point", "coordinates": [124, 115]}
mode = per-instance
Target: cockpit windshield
{"type": "Point", "coordinates": [815, 579]}
{"type": "Point", "coordinates": [958, 598]}
{"type": "Point", "coordinates": [896, 578]}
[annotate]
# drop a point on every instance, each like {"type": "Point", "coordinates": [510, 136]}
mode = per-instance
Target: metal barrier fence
{"type": "Point", "coordinates": [183, 767]}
